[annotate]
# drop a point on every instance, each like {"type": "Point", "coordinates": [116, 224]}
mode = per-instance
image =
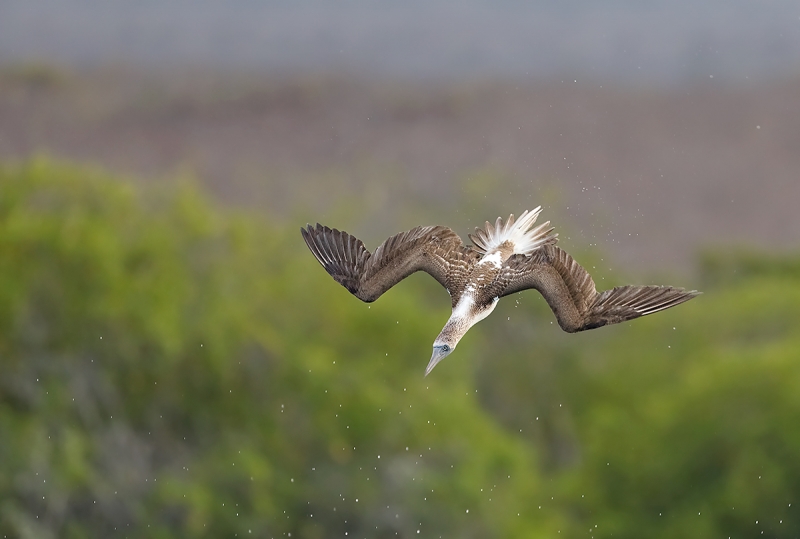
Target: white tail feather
{"type": "Point", "coordinates": [517, 232]}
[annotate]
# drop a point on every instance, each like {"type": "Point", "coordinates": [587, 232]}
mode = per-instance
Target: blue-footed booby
{"type": "Point", "coordinates": [504, 258]}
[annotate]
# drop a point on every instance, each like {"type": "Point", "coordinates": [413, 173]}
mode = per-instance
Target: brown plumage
{"type": "Point", "coordinates": [506, 258]}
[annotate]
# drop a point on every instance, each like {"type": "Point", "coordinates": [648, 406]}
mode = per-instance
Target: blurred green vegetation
{"type": "Point", "coordinates": [168, 369]}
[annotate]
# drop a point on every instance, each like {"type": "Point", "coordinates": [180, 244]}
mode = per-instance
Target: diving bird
{"type": "Point", "coordinates": [504, 258]}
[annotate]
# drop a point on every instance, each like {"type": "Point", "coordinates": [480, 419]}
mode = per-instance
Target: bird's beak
{"type": "Point", "coordinates": [437, 356]}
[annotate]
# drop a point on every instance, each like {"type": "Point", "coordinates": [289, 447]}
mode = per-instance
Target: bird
{"type": "Point", "coordinates": [503, 259]}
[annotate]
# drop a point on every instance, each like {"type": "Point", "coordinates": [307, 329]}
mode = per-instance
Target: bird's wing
{"type": "Point", "coordinates": [571, 293]}
{"type": "Point", "coordinates": [436, 250]}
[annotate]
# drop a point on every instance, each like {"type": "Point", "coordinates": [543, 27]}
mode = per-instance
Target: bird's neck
{"type": "Point", "coordinates": [465, 315]}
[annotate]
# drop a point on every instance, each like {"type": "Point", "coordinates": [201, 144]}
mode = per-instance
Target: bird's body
{"type": "Point", "coordinates": [505, 258]}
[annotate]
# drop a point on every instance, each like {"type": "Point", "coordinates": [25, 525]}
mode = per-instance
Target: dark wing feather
{"type": "Point", "coordinates": [571, 293]}
{"type": "Point", "coordinates": [436, 250]}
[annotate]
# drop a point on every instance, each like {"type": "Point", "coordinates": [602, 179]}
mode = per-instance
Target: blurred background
{"type": "Point", "coordinates": [174, 363]}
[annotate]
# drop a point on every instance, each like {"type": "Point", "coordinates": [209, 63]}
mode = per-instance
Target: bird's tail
{"type": "Point", "coordinates": [518, 232]}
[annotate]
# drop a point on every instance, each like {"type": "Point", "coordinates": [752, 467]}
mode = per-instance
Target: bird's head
{"type": "Point", "coordinates": [441, 349]}
{"type": "Point", "coordinates": [465, 315]}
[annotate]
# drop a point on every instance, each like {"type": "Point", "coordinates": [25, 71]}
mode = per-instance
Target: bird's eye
{"type": "Point", "coordinates": [445, 348]}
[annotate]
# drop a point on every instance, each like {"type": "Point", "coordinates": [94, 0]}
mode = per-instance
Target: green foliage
{"type": "Point", "coordinates": [170, 370]}
{"type": "Point", "coordinates": [727, 267]}
{"type": "Point", "coordinates": [696, 438]}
